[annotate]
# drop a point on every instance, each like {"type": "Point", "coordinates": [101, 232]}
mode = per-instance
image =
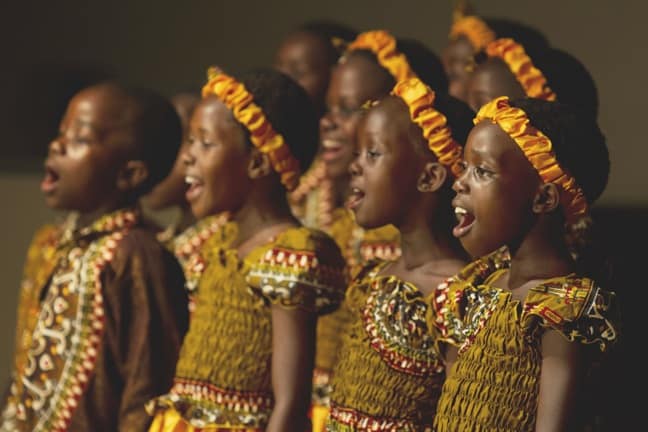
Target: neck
{"type": "Point", "coordinates": [186, 218]}
{"type": "Point", "coordinates": [542, 254]}
{"type": "Point", "coordinates": [264, 207]}
{"type": "Point", "coordinates": [340, 190]}
{"type": "Point", "coordinates": [88, 218]}
{"type": "Point", "coordinates": [428, 239]}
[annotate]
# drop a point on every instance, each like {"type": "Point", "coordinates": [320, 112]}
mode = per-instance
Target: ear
{"type": "Point", "coordinates": [132, 175]}
{"type": "Point", "coordinates": [259, 165]}
{"type": "Point", "coordinates": [547, 198]}
{"type": "Point", "coordinates": [432, 178]}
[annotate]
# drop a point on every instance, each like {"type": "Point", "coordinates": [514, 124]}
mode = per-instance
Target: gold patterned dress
{"type": "Point", "coordinates": [493, 385]}
{"type": "Point", "coordinates": [388, 374]}
{"type": "Point", "coordinates": [100, 323]}
{"type": "Point", "coordinates": [223, 377]}
{"type": "Point", "coordinates": [189, 247]}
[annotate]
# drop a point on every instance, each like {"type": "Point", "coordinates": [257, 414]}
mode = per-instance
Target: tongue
{"type": "Point", "coordinates": [465, 220]}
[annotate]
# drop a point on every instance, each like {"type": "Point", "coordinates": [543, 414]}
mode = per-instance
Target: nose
{"type": "Point", "coordinates": [355, 168]}
{"type": "Point", "coordinates": [327, 122]}
{"type": "Point", "coordinates": [187, 156]}
{"type": "Point", "coordinates": [56, 147]}
{"type": "Point", "coordinates": [459, 184]}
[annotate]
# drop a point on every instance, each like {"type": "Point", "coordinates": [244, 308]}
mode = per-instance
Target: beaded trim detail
{"type": "Point", "coordinates": [348, 420]}
{"type": "Point", "coordinates": [67, 337]}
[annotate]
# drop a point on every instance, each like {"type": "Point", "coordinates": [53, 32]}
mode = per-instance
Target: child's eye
{"type": "Point", "coordinates": [372, 154]}
{"type": "Point", "coordinates": [482, 172]}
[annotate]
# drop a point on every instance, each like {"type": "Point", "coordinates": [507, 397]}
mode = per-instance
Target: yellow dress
{"type": "Point", "coordinates": [389, 373]}
{"type": "Point", "coordinates": [358, 247]}
{"type": "Point", "coordinates": [223, 377]}
{"type": "Point", "coordinates": [493, 385]}
{"type": "Point", "coordinates": [312, 204]}
{"type": "Point", "coordinates": [189, 247]}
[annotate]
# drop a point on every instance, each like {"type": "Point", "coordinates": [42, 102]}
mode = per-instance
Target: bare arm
{"type": "Point", "coordinates": [293, 353]}
{"type": "Point", "coordinates": [559, 378]}
{"type": "Point", "coordinates": [450, 357]}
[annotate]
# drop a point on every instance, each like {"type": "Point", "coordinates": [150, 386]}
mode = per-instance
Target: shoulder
{"type": "Point", "coordinates": [450, 299]}
{"type": "Point", "coordinates": [302, 267]}
{"type": "Point", "coordinates": [574, 306]}
{"type": "Point", "coordinates": [140, 251]}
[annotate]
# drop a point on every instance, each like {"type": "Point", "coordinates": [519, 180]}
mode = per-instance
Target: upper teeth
{"type": "Point", "coordinates": [191, 180]}
{"type": "Point", "coordinates": [330, 144]}
{"type": "Point", "coordinates": [460, 211]}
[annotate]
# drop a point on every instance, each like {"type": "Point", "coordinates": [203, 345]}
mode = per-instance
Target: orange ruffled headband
{"type": "Point", "coordinates": [420, 101]}
{"type": "Point", "coordinates": [530, 77]}
{"type": "Point", "coordinates": [383, 45]}
{"type": "Point", "coordinates": [235, 96]}
{"type": "Point", "coordinates": [475, 30]}
{"type": "Point", "coordinates": [538, 150]}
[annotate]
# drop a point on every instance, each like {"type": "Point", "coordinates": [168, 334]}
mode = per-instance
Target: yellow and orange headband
{"type": "Point", "coordinates": [537, 148]}
{"type": "Point", "coordinates": [478, 33]}
{"type": "Point", "coordinates": [420, 101]}
{"type": "Point", "coordinates": [236, 97]}
{"type": "Point", "coordinates": [383, 46]}
{"type": "Point", "coordinates": [519, 63]}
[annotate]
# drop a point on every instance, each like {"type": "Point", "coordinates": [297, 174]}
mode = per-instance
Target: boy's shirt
{"type": "Point", "coordinates": [101, 319]}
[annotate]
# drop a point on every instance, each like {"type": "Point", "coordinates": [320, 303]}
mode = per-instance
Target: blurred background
{"type": "Point", "coordinates": [52, 49]}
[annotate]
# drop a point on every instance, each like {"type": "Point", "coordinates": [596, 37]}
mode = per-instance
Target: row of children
{"type": "Point", "coordinates": [425, 272]}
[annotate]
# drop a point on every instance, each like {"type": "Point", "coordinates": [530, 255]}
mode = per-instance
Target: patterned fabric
{"type": "Point", "coordinates": [502, 338]}
{"type": "Point", "coordinates": [65, 351]}
{"type": "Point", "coordinates": [188, 247]}
{"type": "Point", "coordinates": [223, 377]}
{"type": "Point", "coordinates": [389, 372]}
{"type": "Point", "coordinates": [359, 247]}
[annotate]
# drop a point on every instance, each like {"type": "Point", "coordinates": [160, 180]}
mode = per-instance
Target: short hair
{"type": "Point", "coordinates": [288, 109]}
{"type": "Point", "coordinates": [458, 115]}
{"type": "Point", "coordinates": [569, 79]}
{"type": "Point", "coordinates": [423, 61]}
{"type": "Point", "coordinates": [532, 39]}
{"type": "Point", "coordinates": [330, 32]}
{"type": "Point", "coordinates": [578, 143]}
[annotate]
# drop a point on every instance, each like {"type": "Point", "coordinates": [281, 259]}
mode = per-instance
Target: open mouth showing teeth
{"type": "Point", "coordinates": [466, 221]}
{"type": "Point", "coordinates": [355, 198]}
{"type": "Point", "coordinates": [330, 149]}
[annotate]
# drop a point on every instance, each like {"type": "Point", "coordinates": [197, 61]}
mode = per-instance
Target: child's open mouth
{"type": "Point", "coordinates": [50, 181]}
{"type": "Point", "coordinates": [195, 187]}
{"type": "Point", "coordinates": [355, 198]}
{"type": "Point", "coordinates": [466, 221]}
{"type": "Point", "coordinates": [331, 149]}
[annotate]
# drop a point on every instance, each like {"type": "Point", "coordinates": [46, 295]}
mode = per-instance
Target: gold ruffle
{"type": "Point", "coordinates": [420, 101]}
{"type": "Point", "coordinates": [530, 77]}
{"type": "Point", "coordinates": [383, 45]}
{"type": "Point", "coordinates": [235, 96]}
{"type": "Point", "coordinates": [538, 150]}
{"type": "Point", "coordinates": [478, 33]}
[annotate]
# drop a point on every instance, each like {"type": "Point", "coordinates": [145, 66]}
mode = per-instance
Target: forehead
{"type": "Point", "coordinates": [487, 141]}
{"type": "Point", "coordinates": [104, 107]}
{"type": "Point", "coordinates": [211, 113]}
{"type": "Point", "coordinates": [388, 120]}
{"type": "Point", "coordinates": [303, 44]}
{"type": "Point", "coordinates": [495, 76]}
{"type": "Point", "coordinates": [357, 77]}
{"type": "Point", "coordinates": [459, 48]}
